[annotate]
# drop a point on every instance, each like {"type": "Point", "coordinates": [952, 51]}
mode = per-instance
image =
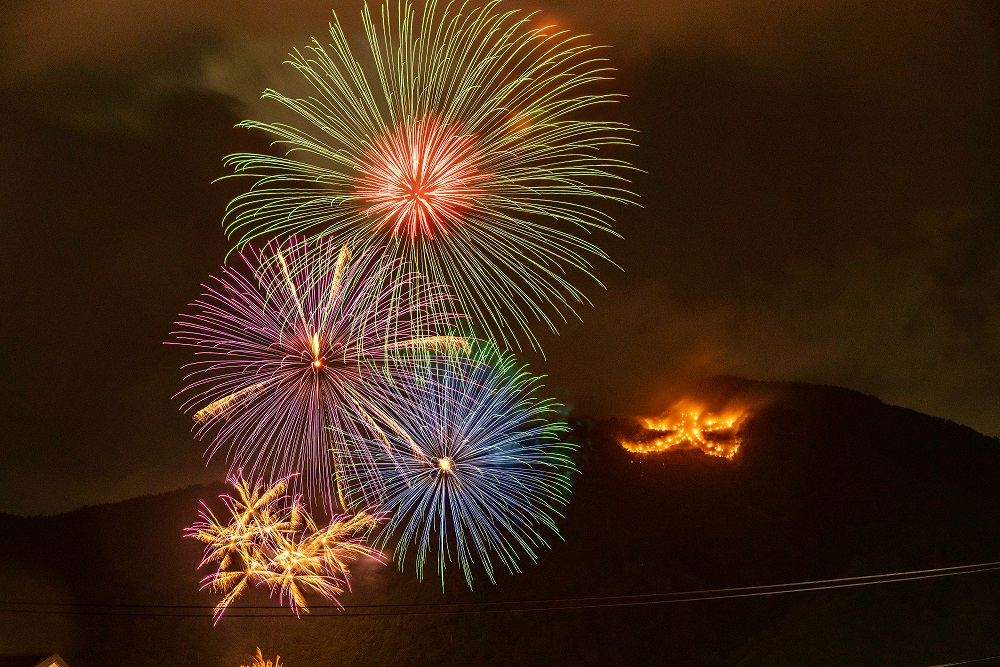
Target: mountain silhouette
{"type": "Point", "coordinates": [827, 483]}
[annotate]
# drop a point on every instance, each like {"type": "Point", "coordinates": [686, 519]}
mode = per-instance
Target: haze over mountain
{"type": "Point", "coordinates": [827, 483]}
{"type": "Point", "coordinates": [820, 202]}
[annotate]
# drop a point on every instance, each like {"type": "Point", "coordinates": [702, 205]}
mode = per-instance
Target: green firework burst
{"type": "Point", "coordinates": [458, 145]}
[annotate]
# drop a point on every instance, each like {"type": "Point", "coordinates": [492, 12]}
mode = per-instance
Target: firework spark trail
{"type": "Point", "coordinates": [290, 347]}
{"type": "Point", "coordinates": [219, 407]}
{"type": "Point", "coordinates": [464, 155]}
{"type": "Point", "coordinates": [272, 540]}
{"type": "Point", "coordinates": [436, 343]}
{"type": "Point", "coordinates": [248, 513]}
{"type": "Point", "coordinates": [489, 470]}
{"type": "Point", "coordinates": [258, 661]}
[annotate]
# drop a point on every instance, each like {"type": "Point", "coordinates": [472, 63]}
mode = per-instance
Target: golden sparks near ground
{"type": "Point", "coordinates": [258, 661]}
{"type": "Point", "coordinates": [688, 427]}
{"type": "Point", "coordinates": [271, 539]}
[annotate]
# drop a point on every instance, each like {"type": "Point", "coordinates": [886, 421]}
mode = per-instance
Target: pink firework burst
{"type": "Point", "coordinates": [287, 352]}
{"type": "Point", "coordinates": [420, 178]}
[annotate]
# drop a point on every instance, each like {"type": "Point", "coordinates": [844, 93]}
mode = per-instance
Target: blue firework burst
{"type": "Point", "coordinates": [470, 467]}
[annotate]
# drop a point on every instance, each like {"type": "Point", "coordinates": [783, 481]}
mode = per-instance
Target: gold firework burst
{"type": "Point", "coordinates": [271, 539]}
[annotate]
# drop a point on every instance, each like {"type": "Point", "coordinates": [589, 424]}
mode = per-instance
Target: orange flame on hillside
{"type": "Point", "coordinates": [688, 427]}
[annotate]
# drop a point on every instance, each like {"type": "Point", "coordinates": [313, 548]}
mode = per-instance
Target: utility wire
{"type": "Point", "coordinates": [968, 662]}
{"type": "Point", "coordinates": [512, 606]}
{"type": "Point", "coordinates": [957, 569]}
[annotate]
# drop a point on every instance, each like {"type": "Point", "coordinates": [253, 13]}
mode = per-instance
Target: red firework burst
{"type": "Point", "coordinates": [420, 178]}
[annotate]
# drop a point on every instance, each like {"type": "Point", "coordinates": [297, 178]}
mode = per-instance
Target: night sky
{"type": "Point", "coordinates": [820, 202]}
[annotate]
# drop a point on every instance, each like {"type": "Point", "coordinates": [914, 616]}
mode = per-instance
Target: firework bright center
{"type": "Point", "coordinates": [445, 464]}
{"type": "Point", "coordinates": [420, 179]}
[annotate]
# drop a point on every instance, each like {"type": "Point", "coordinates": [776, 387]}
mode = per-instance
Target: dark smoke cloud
{"type": "Point", "coordinates": [819, 204]}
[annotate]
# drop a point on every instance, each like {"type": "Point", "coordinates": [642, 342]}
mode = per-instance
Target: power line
{"type": "Point", "coordinates": [511, 606]}
{"type": "Point", "coordinates": [968, 662]}
{"type": "Point", "coordinates": [940, 571]}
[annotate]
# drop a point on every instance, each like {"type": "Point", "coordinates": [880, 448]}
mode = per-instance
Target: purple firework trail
{"type": "Point", "coordinates": [289, 351]}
